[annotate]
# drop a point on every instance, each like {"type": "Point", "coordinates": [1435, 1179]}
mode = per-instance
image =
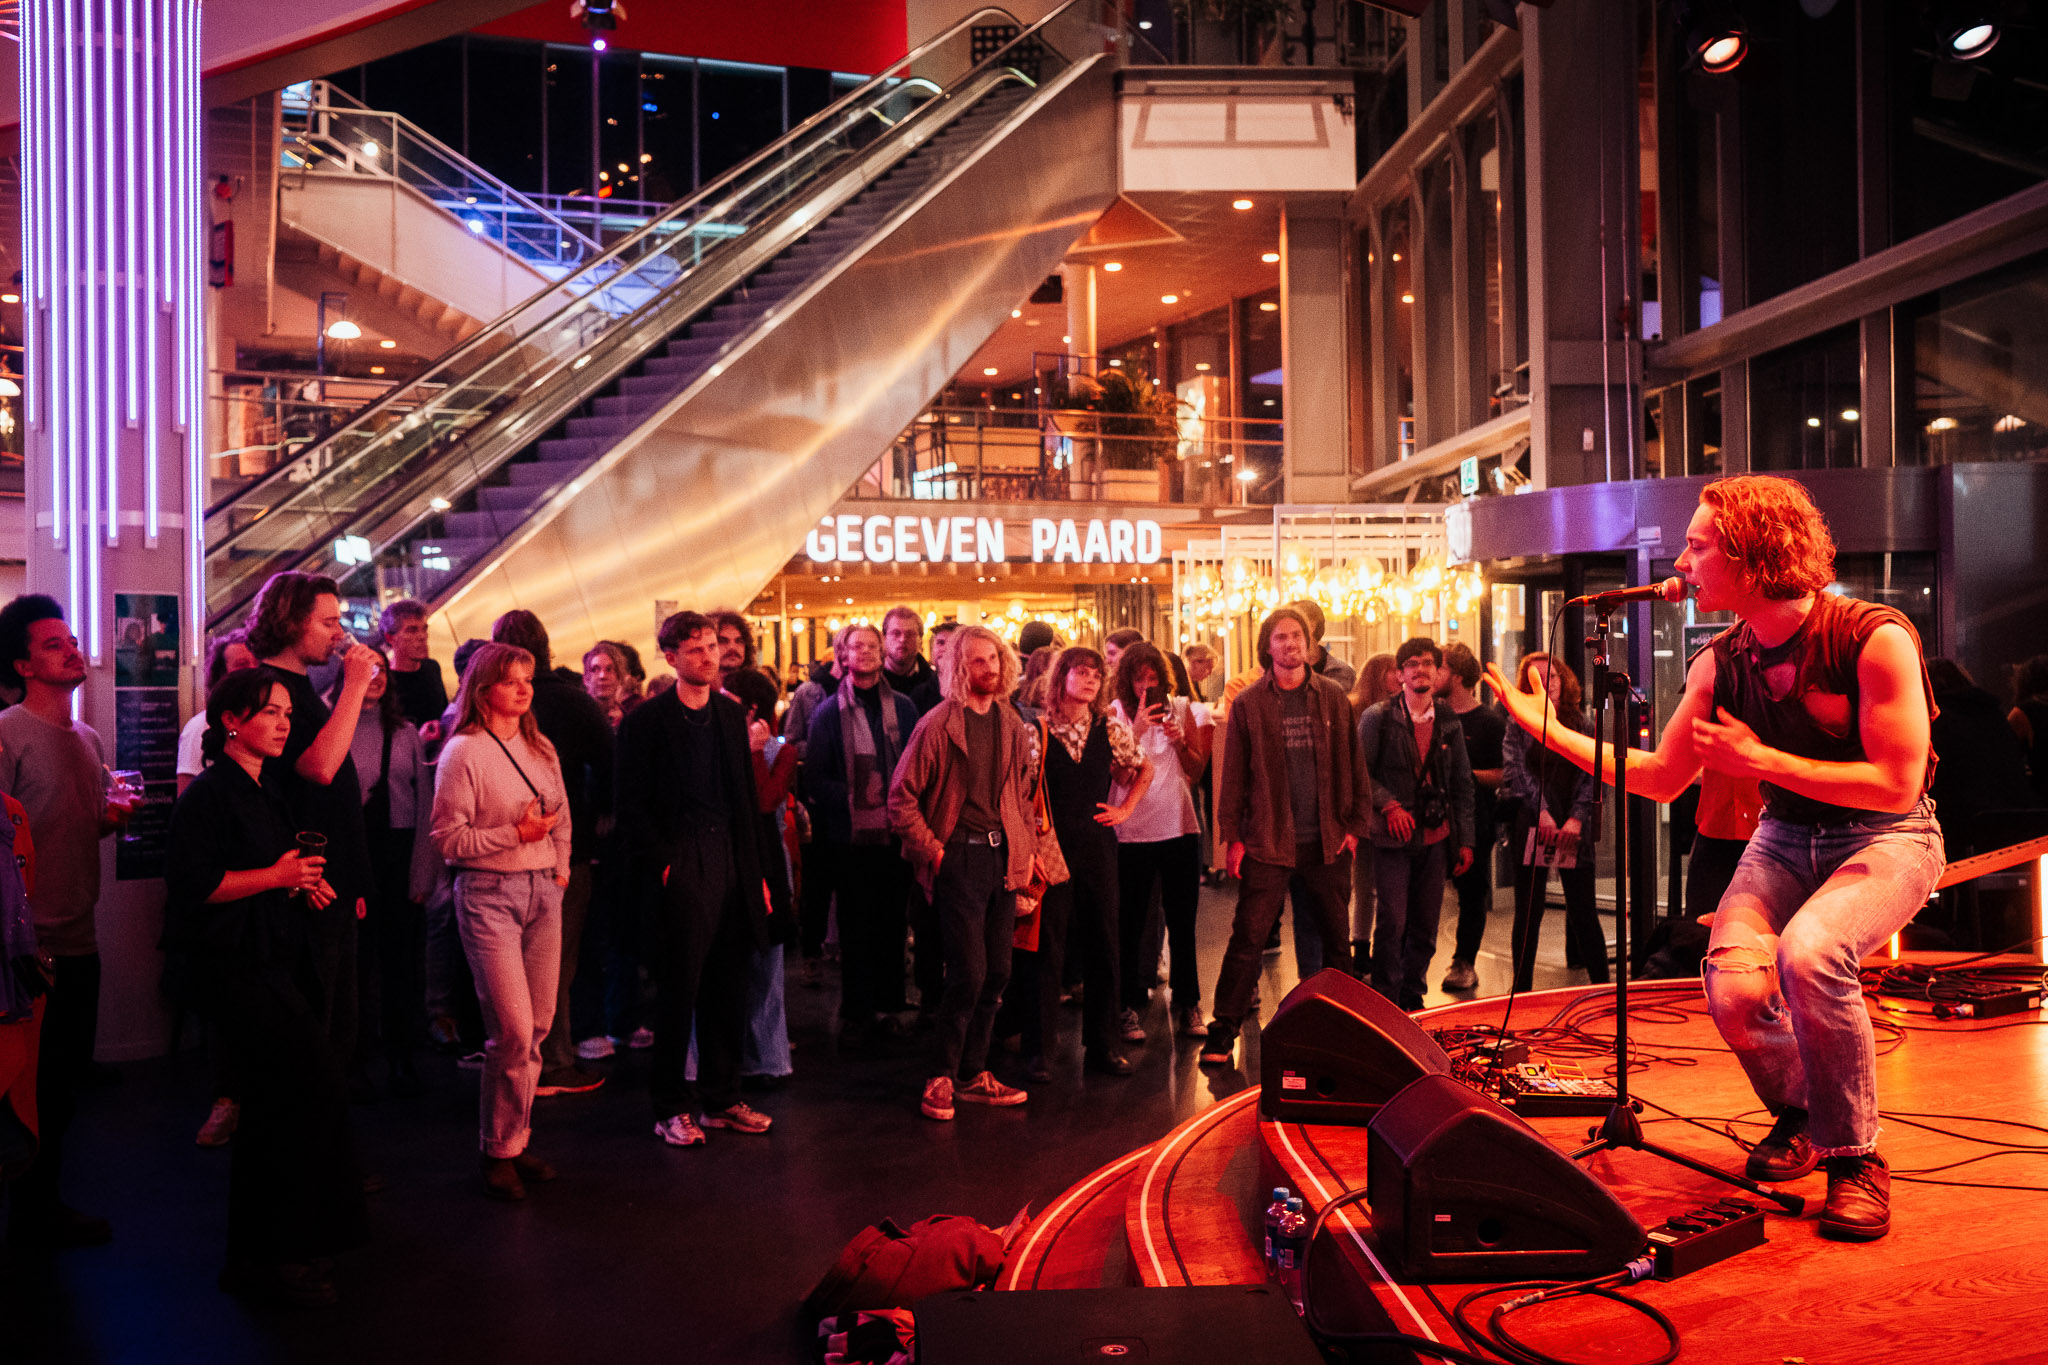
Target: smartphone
{"type": "Point", "coordinates": [1154, 696]}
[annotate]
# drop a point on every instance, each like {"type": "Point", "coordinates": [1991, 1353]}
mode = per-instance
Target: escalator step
{"type": "Point", "coordinates": [569, 450]}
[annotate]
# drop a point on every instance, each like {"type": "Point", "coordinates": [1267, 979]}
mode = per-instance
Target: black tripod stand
{"type": "Point", "coordinates": [1621, 1128]}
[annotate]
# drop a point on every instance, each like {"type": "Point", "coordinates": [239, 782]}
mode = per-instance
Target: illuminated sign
{"type": "Point", "coordinates": [850, 538]}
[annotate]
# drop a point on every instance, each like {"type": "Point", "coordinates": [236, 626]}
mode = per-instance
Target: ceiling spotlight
{"type": "Point", "coordinates": [1271, 258]}
{"type": "Point", "coordinates": [1851, 415]}
{"type": "Point", "coordinates": [1169, 298]}
{"type": "Point", "coordinates": [10, 298]}
{"type": "Point", "coordinates": [388, 344]}
{"type": "Point", "coordinates": [1112, 266]}
{"type": "Point", "coordinates": [1813, 421]}
{"type": "Point", "coordinates": [1203, 366]}
{"type": "Point", "coordinates": [989, 370]}
{"type": "Point", "coordinates": [1240, 204]}
{"type": "Point", "coordinates": [1407, 298]}
{"type": "Point", "coordinates": [376, 369]}
{"type": "Point", "coordinates": [371, 150]}
{"type": "Point", "coordinates": [1269, 307]}
{"type": "Point", "coordinates": [1715, 39]}
{"type": "Point", "coordinates": [341, 329]}
{"type": "Point", "coordinates": [1016, 312]}
{"type": "Point", "coordinates": [1968, 37]}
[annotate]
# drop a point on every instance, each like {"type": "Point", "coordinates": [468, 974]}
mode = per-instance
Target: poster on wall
{"type": "Point", "coordinates": [145, 726]}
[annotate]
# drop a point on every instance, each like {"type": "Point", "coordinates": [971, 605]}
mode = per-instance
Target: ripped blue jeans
{"type": "Point", "coordinates": [1805, 906]}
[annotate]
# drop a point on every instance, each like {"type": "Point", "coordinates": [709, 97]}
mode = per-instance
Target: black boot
{"type": "Point", "coordinates": [1859, 1207]}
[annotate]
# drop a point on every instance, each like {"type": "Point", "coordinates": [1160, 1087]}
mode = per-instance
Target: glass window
{"type": "Point", "coordinates": [1514, 379]}
{"type": "Point", "coordinates": [1803, 403]}
{"type": "Point", "coordinates": [569, 169]}
{"type": "Point", "coordinates": [1694, 167]}
{"type": "Point", "coordinates": [1902, 579]}
{"type": "Point", "coordinates": [424, 85]}
{"type": "Point", "coordinates": [504, 118]}
{"type": "Point", "coordinates": [739, 111]}
{"type": "Point", "coordinates": [1438, 302]}
{"type": "Point", "coordinates": [1703, 425]}
{"type": "Point", "coordinates": [667, 127]}
{"type": "Point", "coordinates": [618, 124]}
{"type": "Point", "coordinates": [1965, 134]}
{"type": "Point", "coordinates": [1650, 465]}
{"type": "Point", "coordinates": [1397, 295]}
{"type": "Point", "coordinates": [809, 91]}
{"type": "Point", "coordinates": [1798, 148]}
{"type": "Point", "coordinates": [1260, 396]}
{"type": "Point", "coordinates": [1980, 368]}
{"type": "Point", "coordinates": [1485, 212]}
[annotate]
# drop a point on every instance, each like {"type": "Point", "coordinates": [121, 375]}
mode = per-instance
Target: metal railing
{"type": "Point", "coordinates": [327, 131]}
{"type": "Point", "coordinates": [510, 383]}
{"type": "Point", "coordinates": [983, 454]}
{"type": "Point", "coordinates": [269, 419]}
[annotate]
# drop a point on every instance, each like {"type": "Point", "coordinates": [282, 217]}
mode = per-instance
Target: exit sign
{"type": "Point", "coordinates": [1468, 475]}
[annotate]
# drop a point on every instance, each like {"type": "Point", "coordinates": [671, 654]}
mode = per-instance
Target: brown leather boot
{"type": "Point", "coordinates": [501, 1179]}
{"type": "Point", "coordinates": [1859, 1207]}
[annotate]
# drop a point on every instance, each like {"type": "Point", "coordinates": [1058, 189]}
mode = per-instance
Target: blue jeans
{"type": "Point", "coordinates": [1807, 903]}
{"type": "Point", "coordinates": [1410, 903]}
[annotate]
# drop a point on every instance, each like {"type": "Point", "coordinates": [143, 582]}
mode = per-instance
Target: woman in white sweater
{"type": "Point", "coordinates": [501, 819]}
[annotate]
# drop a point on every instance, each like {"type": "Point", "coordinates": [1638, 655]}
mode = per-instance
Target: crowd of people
{"type": "Point", "coordinates": [554, 865]}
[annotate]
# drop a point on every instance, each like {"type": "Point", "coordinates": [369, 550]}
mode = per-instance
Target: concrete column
{"type": "Point", "coordinates": [114, 309]}
{"type": "Point", "coordinates": [1314, 388]}
{"type": "Point", "coordinates": [1080, 294]}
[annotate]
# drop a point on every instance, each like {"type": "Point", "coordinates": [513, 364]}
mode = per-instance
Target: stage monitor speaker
{"type": "Point", "coordinates": [1463, 1189]}
{"type": "Point", "coordinates": [1337, 1050]}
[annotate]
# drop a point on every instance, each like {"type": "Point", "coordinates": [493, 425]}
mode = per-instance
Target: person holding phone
{"type": "Point", "coordinates": [1161, 843]}
{"type": "Point", "coordinates": [242, 914]}
{"type": "Point", "coordinates": [501, 819]}
{"type": "Point", "coordinates": [1555, 800]}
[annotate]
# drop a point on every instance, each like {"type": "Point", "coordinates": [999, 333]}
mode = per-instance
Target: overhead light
{"type": "Point", "coordinates": [1116, 364]}
{"type": "Point", "coordinates": [2009, 422]}
{"type": "Point", "coordinates": [476, 224]}
{"type": "Point", "coordinates": [990, 371]}
{"type": "Point", "coordinates": [341, 329]}
{"type": "Point", "coordinates": [1851, 415]}
{"type": "Point", "coordinates": [1269, 402]}
{"type": "Point", "coordinates": [1966, 38]}
{"type": "Point", "coordinates": [8, 388]}
{"type": "Point", "coordinates": [439, 504]}
{"type": "Point", "coordinates": [1247, 475]}
{"type": "Point", "coordinates": [1716, 39]}
{"type": "Point", "coordinates": [376, 369]}
{"type": "Point", "coordinates": [1240, 204]}
{"type": "Point", "coordinates": [1273, 258]}
{"type": "Point", "coordinates": [1016, 312]}
{"type": "Point", "coordinates": [1407, 298]}
{"type": "Point", "coordinates": [1942, 424]}
{"type": "Point", "coordinates": [1066, 341]}
{"type": "Point", "coordinates": [388, 344]}
{"type": "Point", "coordinates": [1269, 307]}
{"type": "Point", "coordinates": [371, 150]}
{"type": "Point", "coordinates": [1169, 298]}
{"type": "Point", "coordinates": [1202, 365]}
{"type": "Point", "coordinates": [1144, 25]}
{"type": "Point", "coordinates": [1112, 266]}
{"type": "Point", "coordinates": [598, 44]}
{"type": "Point", "coordinates": [1396, 257]}
{"type": "Point", "coordinates": [1813, 421]}
{"type": "Point", "coordinates": [10, 298]}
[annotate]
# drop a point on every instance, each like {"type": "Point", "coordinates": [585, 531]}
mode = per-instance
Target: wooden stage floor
{"type": "Point", "coordinates": [1962, 1277]}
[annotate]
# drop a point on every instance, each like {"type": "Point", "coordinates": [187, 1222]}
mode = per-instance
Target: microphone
{"type": "Point", "coordinates": [1670, 590]}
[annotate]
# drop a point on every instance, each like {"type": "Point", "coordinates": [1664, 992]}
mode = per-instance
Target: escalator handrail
{"type": "Point", "coordinates": [719, 186]}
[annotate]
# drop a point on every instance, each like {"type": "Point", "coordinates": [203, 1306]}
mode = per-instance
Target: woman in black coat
{"type": "Point", "coordinates": [242, 898]}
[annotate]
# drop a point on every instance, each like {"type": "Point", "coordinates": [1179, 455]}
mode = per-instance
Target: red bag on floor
{"type": "Point", "coordinates": [886, 1266]}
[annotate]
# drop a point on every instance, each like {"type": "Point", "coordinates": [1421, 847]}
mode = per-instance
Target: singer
{"type": "Point", "coordinates": [1826, 701]}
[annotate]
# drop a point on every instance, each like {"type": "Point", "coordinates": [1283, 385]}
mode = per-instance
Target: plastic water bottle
{"type": "Point", "coordinates": [1274, 1212]}
{"type": "Point", "coordinates": [1290, 1251]}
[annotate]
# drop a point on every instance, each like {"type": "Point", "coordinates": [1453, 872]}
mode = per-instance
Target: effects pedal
{"type": "Point", "coordinates": [1538, 1090]}
{"type": "Point", "coordinates": [1699, 1237]}
{"type": "Point", "coordinates": [1987, 1000]}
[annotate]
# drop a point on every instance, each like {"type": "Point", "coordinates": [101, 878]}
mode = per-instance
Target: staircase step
{"type": "Point", "coordinates": [607, 427]}
{"type": "Point", "coordinates": [485, 527]}
{"type": "Point", "coordinates": [509, 498]}
{"type": "Point", "coordinates": [658, 386]}
{"type": "Point", "coordinates": [627, 405]}
{"type": "Point", "coordinates": [571, 451]}
{"type": "Point", "coordinates": [536, 473]}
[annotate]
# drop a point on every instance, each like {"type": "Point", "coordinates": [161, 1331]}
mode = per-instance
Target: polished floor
{"type": "Point", "coordinates": [639, 1251]}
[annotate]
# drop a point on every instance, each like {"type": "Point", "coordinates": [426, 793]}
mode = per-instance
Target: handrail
{"type": "Point", "coordinates": [718, 186]}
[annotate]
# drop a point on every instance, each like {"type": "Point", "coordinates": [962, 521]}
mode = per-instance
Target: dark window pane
{"type": "Point", "coordinates": [618, 124]}
{"type": "Point", "coordinates": [1397, 296]}
{"type": "Point", "coordinates": [1980, 368]}
{"type": "Point", "coordinates": [1803, 404]}
{"type": "Point", "coordinates": [809, 91]}
{"type": "Point", "coordinates": [1798, 116]}
{"type": "Point", "coordinates": [1703, 425]}
{"type": "Point", "coordinates": [739, 109]}
{"type": "Point", "coordinates": [425, 85]}
{"type": "Point", "coordinates": [568, 113]}
{"type": "Point", "coordinates": [1966, 133]}
{"type": "Point", "coordinates": [666, 124]}
{"type": "Point", "coordinates": [504, 110]}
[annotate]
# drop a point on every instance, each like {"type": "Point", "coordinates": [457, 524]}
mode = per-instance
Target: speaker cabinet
{"type": "Point", "coordinates": [1463, 1189]}
{"type": "Point", "coordinates": [1337, 1050]}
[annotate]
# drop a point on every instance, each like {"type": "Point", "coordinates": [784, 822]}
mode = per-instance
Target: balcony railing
{"type": "Point", "coordinates": [982, 454]}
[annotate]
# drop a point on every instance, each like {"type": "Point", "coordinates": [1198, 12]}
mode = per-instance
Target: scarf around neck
{"type": "Point", "coordinates": [867, 774]}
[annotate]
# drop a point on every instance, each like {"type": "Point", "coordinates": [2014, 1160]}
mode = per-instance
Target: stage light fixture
{"type": "Point", "coordinates": [1716, 39]}
{"type": "Point", "coordinates": [1968, 35]}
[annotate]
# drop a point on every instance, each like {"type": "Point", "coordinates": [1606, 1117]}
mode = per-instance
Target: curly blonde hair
{"type": "Point", "coordinates": [1770, 526]}
{"type": "Point", "coordinates": [955, 680]}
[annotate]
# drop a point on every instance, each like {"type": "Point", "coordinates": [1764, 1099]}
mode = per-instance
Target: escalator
{"type": "Point", "coordinates": [665, 422]}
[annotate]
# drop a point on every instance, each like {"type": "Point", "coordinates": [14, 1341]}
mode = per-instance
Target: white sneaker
{"type": "Point", "coordinates": [680, 1131]}
{"type": "Point", "coordinates": [938, 1099]}
{"type": "Point", "coordinates": [595, 1049]}
{"type": "Point", "coordinates": [986, 1089]}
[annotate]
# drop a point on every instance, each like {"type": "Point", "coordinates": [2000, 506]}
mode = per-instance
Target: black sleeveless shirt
{"type": "Point", "coordinates": [1803, 697]}
{"type": "Point", "coordinates": [1073, 791]}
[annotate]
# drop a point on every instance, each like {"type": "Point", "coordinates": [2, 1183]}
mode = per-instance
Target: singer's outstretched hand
{"type": "Point", "coordinates": [1526, 709]}
{"type": "Point", "coordinates": [1728, 746]}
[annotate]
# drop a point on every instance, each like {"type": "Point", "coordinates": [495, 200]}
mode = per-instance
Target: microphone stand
{"type": "Point", "coordinates": [1621, 1128]}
